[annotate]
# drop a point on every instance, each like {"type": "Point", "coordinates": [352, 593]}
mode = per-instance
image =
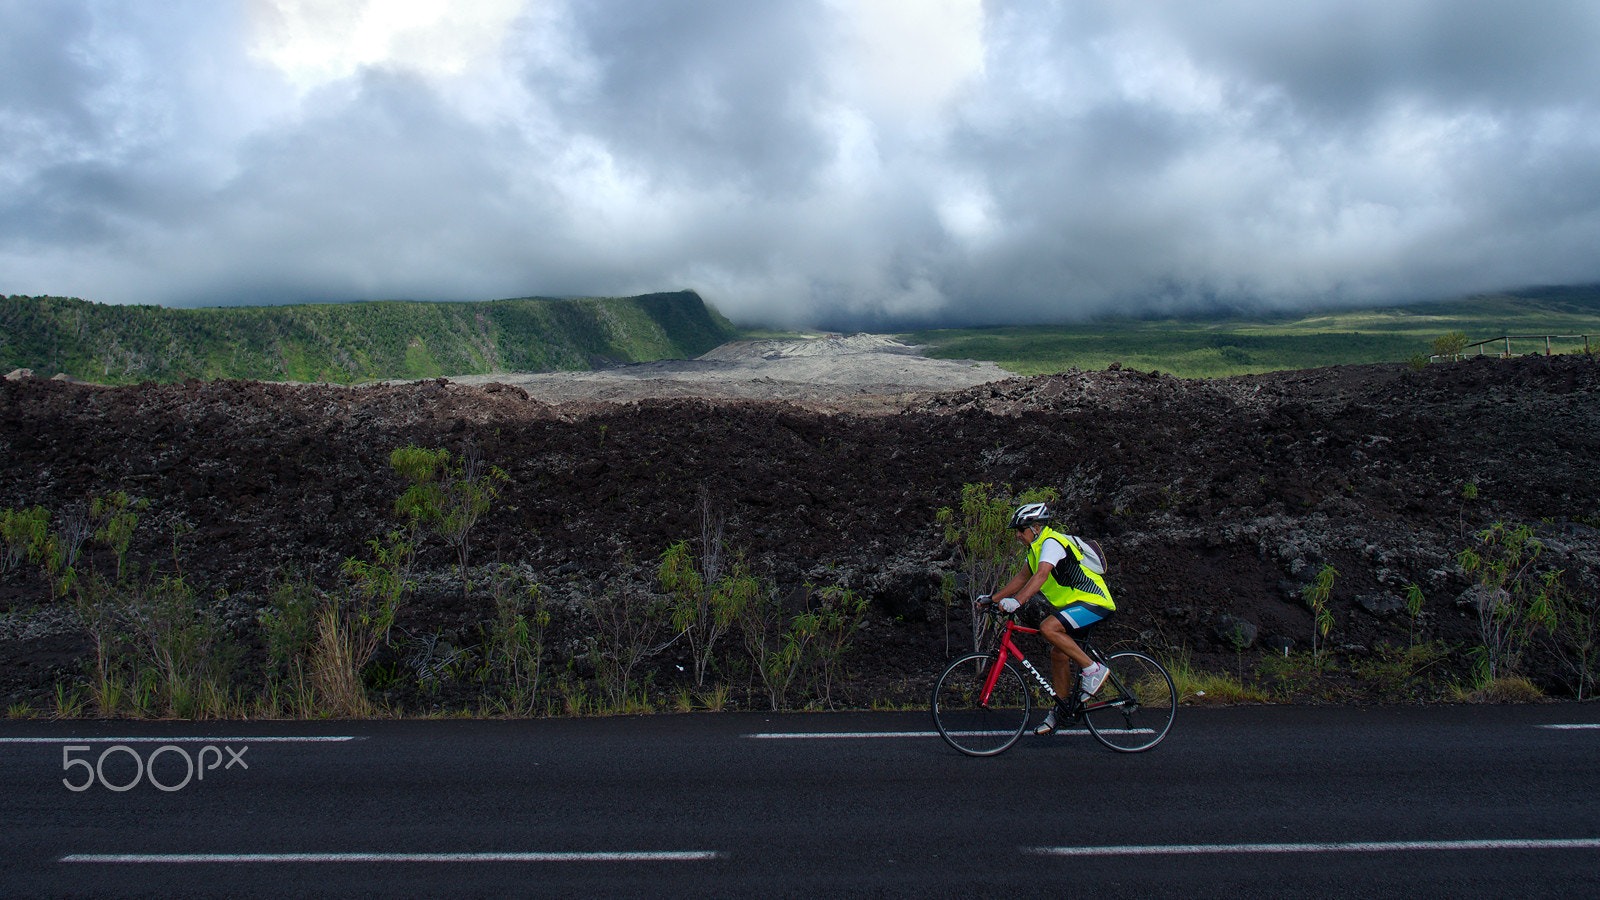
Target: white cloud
{"type": "Point", "coordinates": [907, 59]}
{"type": "Point", "coordinates": [881, 163]}
{"type": "Point", "coordinates": [968, 213]}
{"type": "Point", "coordinates": [317, 41]}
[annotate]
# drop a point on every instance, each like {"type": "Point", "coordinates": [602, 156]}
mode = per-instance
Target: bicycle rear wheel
{"type": "Point", "coordinates": [970, 725]}
{"type": "Point", "coordinates": [1134, 708]}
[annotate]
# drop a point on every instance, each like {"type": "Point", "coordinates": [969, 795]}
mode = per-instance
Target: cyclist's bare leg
{"type": "Point", "coordinates": [1056, 634]}
{"type": "Point", "coordinates": [1060, 673]}
{"type": "Point", "coordinates": [1063, 651]}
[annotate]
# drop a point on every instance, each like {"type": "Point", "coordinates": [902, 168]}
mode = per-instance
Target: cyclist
{"type": "Point", "coordinates": [1061, 591]}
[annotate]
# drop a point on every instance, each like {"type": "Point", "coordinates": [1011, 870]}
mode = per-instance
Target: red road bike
{"type": "Point", "coordinates": [981, 704]}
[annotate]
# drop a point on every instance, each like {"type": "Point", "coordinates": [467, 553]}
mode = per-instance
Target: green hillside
{"type": "Point", "coordinates": [1207, 348]}
{"type": "Point", "coordinates": [350, 342]}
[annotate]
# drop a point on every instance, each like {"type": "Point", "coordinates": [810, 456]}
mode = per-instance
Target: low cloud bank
{"type": "Point", "coordinates": [801, 163]}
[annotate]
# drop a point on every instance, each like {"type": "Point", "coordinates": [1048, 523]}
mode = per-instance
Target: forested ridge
{"type": "Point", "coordinates": [349, 342]}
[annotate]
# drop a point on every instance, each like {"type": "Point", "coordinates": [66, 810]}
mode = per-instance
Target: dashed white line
{"type": "Point", "coordinates": [218, 739]}
{"type": "Point", "coordinates": [802, 735]}
{"type": "Point", "coordinates": [1361, 847]}
{"type": "Point", "coordinates": [1574, 727]}
{"type": "Point", "coordinates": [823, 735]}
{"type": "Point", "coordinates": [191, 858]}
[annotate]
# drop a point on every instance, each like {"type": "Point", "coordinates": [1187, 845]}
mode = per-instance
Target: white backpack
{"type": "Point", "coordinates": [1094, 559]}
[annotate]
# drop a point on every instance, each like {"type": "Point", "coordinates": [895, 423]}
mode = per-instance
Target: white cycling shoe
{"type": "Point", "coordinates": [1093, 677]}
{"type": "Point", "coordinates": [1048, 726]}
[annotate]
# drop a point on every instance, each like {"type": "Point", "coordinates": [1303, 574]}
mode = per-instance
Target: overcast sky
{"type": "Point", "coordinates": [853, 163]}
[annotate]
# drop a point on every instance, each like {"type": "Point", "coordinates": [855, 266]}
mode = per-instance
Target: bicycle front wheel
{"type": "Point", "coordinates": [969, 724]}
{"type": "Point", "coordinates": [1133, 710]}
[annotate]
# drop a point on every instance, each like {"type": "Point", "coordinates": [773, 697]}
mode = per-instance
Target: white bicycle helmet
{"type": "Point", "coordinates": [1029, 514]}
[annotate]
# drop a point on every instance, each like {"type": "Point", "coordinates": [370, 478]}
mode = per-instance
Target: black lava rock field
{"type": "Point", "coordinates": [1217, 502]}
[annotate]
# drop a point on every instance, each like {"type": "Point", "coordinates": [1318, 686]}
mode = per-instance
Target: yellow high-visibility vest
{"type": "Point", "coordinates": [1070, 581]}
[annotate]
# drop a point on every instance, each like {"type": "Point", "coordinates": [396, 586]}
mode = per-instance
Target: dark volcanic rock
{"type": "Point", "coordinates": [1235, 632]}
{"type": "Point", "coordinates": [1380, 605]}
{"type": "Point", "coordinates": [1212, 498]}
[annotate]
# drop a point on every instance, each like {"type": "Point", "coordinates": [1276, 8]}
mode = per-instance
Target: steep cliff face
{"type": "Point", "coordinates": [1217, 501]}
{"type": "Point", "coordinates": [350, 342]}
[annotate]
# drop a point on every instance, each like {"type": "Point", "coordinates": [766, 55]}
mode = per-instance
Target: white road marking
{"type": "Point", "coordinates": [851, 735]}
{"type": "Point", "coordinates": [129, 858]}
{"type": "Point", "coordinates": [822, 735]}
{"type": "Point", "coordinates": [1369, 847]}
{"type": "Point", "coordinates": [802, 735]}
{"type": "Point", "coordinates": [222, 739]}
{"type": "Point", "coordinates": [1116, 731]}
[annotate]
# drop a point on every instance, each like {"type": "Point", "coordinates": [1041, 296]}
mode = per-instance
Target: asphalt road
{"type": "Point", "coordinates": [1281, 802]}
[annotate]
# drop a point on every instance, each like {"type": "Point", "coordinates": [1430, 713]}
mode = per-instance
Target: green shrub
{"type": "Point", "coordinates": [986, 552]}
{"type": "Point", "coordinates": [447, 495]}
{"type": "Point", "coordinates": [714, 700]}
{"type": "Point", "coordinates": [1507, 689]}
{"type": "Point", "coordinates": [1450, 345]}
{"type": "Point", "coordinates": [1299, 675]}
{"type": "Point", "coordinates": [116, 524]}
{"type": "Point", "coordinates": [352, 627]}
{"type": "Point", "coordinates": [627, 628]}
{"type": "Point", "coordinates": [25, 533]}
{"type": "Point", "coordinates": [839, 613]}
{"type": "Point", "coordinates": [777, 643]}
{"type": "Point", "coordinates": [289, 631]}
{"type": "Point", "coordinates": [1198, 688]}
{"type": "Point", "coordinates": [181, 641]}
{"type": "Point", "coordinates": [1316, 595]}
{"type": "Point", "coordinates": [1513, 601]}
{"type": "Point", "coordinates": [708, 597]}
{"type": "Point", "coordinates": [100, 609]}
{"type": "Point", "coordinates": [514, 648]}
{"type": "Point", "coordinates": [1414, 601]}
{"type": "Point", "coordinates": [1575, 635]}
{"type": "Point", "coordinates": [1400, 673]}
{"type": "Point", "coordinates": [69, 704]}
{"type": "Point", "coordinates": [28, 538]}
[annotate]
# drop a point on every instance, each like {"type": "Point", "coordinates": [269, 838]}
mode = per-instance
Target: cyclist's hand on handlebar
{"type": "Point", "coordinates": [1004, 604]}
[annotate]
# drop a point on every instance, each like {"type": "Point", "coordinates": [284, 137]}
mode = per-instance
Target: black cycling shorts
{"type": "Point", "coordinates": [1078, 617]}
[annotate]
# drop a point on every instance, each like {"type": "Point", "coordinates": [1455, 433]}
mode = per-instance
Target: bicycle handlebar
{"type": "Point", "coordinates": [987, 601]}
{"type": "Point", "coordinates": [988, 604]}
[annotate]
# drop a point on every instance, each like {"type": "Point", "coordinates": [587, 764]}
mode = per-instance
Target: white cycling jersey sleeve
{"type": "Point", "coordinates": [1052, 552]}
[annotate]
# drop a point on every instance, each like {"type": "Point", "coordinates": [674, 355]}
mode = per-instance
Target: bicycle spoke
{"type": "Point", "coordinates": [1135, 707]}
{"type": "Point", "coordinates": [969, 724]}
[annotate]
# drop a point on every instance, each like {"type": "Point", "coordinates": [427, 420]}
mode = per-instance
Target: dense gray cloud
{"type": "Point", "coordinates": [881, 164]}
